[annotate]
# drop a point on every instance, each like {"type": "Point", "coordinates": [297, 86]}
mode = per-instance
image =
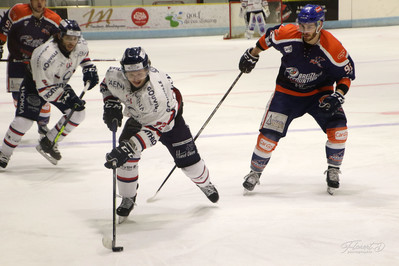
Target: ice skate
{"type": "Point", "coordinates": [332, 179]}
{"type": "Point", "coordinates": [251, 180]}
{"type": "Point", "coordinates": [48, 150]}
{"type": "Point", "coordinates": [210, 192]}
{"type": "Point", "coordinates": [3, 160]}
{"type": "Point", "coordinates": [125, 208]}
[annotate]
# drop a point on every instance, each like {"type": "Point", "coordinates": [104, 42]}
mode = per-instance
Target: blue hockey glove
{"type": "Point", "coordinates": [247, 61]}
{"type": "Point", "coordinates": [332, 102]}
{"type": "Point", "coordinates": [90, 75]}
{"type": "Point", "coordinates": [70, 99]}
{"type": "Point", "coordinates": [112, 112]}
{"type": "Point", "coordinates": [119, 155]}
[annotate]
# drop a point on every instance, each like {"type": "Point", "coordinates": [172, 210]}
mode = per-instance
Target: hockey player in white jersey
{"type": "Point", "coordinates": [154, 107]}
{"type": "Point", "coordinates": [52, 65]}
{"type": "Point", "coordinates": [255, 12]}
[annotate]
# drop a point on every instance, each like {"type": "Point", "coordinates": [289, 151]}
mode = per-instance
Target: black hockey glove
{"type": "Point", "coordinates": [247, 61]}
{"type": "Point", "coordinates": [332, 102]}
{"type": "Point", "coordinates": [119, 155]}
{"type": "Point", "coordinates": [112, 114]}
{"type": "Point", "coordinates": [90, 75]}
{"type": "Point", "coordinates": [70, 99]}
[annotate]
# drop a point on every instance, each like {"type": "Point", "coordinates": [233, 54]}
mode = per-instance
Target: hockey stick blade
{"type": "Point", "coordinates": [107, 243]}
{"type": "Point", "coordinates": [45, 155]}
{"type": "Point", "coordinates": [153, 198]}
{"type": "Point", "coordinates": [117, 249]}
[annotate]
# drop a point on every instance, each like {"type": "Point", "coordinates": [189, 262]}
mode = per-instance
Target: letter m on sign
{"type": "Point", "coordinates": [98, 17]}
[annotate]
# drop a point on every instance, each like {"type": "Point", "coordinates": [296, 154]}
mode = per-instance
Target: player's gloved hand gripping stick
{"type": "Point", "coordinates": [70, 115]}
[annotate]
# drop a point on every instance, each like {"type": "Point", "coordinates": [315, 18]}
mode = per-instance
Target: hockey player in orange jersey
{"type": "Point", "coordinates": [314, 76]}
{"type": "Point", "coordinates": [24, 27]}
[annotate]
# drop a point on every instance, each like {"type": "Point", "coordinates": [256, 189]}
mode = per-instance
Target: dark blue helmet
{"type": "Point", "coordinates": [311, 14]}
{"type": "Point", "coordinates": [134, 59]}
{"type": "Point", "coordinates": [69, 27]}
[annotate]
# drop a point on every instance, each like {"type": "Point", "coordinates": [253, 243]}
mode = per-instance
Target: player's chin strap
{"type": "Point", "coordinates": [70, 115]}
{"type": "Point", "coordinates": [199, 132]}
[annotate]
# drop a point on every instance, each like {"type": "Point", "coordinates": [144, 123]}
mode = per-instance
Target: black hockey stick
{"type": "Point", "coordinates": [106, 242]}
{"type": "Point", "coordinates": [199, 132]}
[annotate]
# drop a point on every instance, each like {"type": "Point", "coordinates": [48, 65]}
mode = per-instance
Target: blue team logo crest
{"type": "Point", "coordinates": [292, 72]}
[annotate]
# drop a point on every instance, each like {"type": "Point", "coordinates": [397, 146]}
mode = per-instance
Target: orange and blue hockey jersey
{"type": "Point", "coordinates": [23, 32]}
{"type": "Point", "coordinates": [308, 69]}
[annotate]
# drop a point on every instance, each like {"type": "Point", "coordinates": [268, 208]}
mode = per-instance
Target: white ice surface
{"type": "Point", "coordinates": [57, 215]}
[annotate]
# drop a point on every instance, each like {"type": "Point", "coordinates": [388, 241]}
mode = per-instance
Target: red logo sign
{"type": "Point", "coordinates": [140, 16]}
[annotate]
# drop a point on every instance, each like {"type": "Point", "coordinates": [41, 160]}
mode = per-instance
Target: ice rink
{"type": "Point", "coordinates": [57, 215]}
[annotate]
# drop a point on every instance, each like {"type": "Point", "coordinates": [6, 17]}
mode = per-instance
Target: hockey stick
{"type": "Point", "coordinates": [106, 241]}
{"type": "Point", "coordinates": [28, 60]}
{"type": "Point", "coordinates": [199, 132]}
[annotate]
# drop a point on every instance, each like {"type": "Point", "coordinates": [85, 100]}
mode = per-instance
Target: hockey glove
{"type": "Point", "coordinates": [70, 99]}
{"type": "Point", "coordinates": [247, 61]}
{"type": "Point", "coordinates": [112, 113]}
{"type": "Point", "coordinates": [331, 103]}
{"type": "Point", "coordinates": [119, 155]}
{"type": "Point", "coordinates": [90, 75]}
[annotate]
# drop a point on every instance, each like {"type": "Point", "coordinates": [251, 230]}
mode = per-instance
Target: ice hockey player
{"type": "Point", "coordinates": [24, 27]}
{"type": "Point", "coordinates": [255, 12]}
{"type": "Point", "coordinates": [154, 107]}
{"type": "Point", "coordinates": [52, 65]}
{"type": "Point", "coordinates": [313, 60]}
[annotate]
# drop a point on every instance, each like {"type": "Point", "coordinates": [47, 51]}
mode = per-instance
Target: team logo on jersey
{"type": "Point", "coordinates": [317, 61]}
{"type": "Point", "coordinates": [292, 71]}
{"type": "Point", "coordinates": [288, 49]}
{"type": "Point", "coordinates": [301, 79]}
{"type": "Point", "coordinates": [342, 54]}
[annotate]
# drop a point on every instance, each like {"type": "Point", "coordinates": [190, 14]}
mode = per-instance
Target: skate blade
{"type": "Point", "coordinates": [330, 190]}
{"type": "Point", "coordinates": [122, 219]}
{"type": "Point", "coordinates": [45, 155]}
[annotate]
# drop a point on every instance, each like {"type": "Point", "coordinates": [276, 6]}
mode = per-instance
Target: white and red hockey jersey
{"type": "Point", "coordinates": [51, 70]}
{"type": "Point", "coordinates": [154, 105]}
